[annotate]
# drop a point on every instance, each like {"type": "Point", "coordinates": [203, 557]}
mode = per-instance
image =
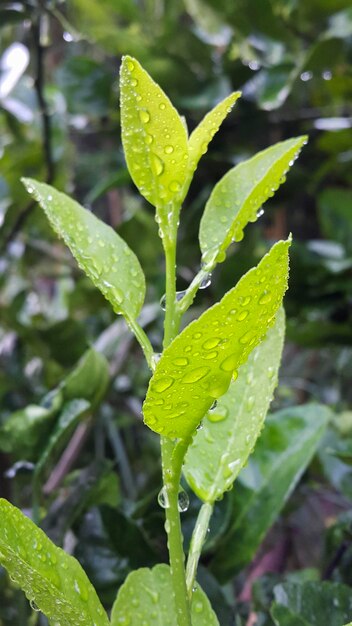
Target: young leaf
{"type": "Point", "coordinates": [153, 136]}
{"type": "Point", "coordinates": [221, 448]}
{"type": "Point", "coordinates": [285, 448]}
{"type": "Point", "coordinates": [198, 366]}
{"type": "Point", "coordinates": [237, 197]}
{"type": "Point", "coordinates": [51, 579]}
{"type": "Point", "coordinates": [25, 430]}
{"type": "Point", "coordinates": [147, 597]}
{"type": "Point", "coordinates": [99, 251]}
{"type": "Point", "coordinates": [205, 131]}
{"type": "Point", "coordinates": [89, 379]}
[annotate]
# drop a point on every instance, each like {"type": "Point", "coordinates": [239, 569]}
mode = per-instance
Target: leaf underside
{"type": "Point", "coordinates": [99, 251]}
{"type": "Point", "coordinates": [50, 578]}
{"type": "Point", "coordinates": [221, 448]}
{"type": "Point", "coordinates": [198, 366]}
{"type": "Point", "coordinates": [146, 597]}
{"type": "Point", "coordinates": [235, 200]}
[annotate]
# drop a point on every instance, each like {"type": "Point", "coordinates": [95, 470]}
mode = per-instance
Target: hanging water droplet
{"type": "Point", "coordinates": [163, 498]}
{"type": "Point", "coordinates": [182, 500]}
{"type": "Point", "coordinates": [206, 281]}
{"type": "Point", "coordinates": [179, 295]}
{"type": "Point", "coordinates": [260, 213]}
{"type": "Point", "coordinates": [163, 302]}
{"type": "Point", "coordinates": [214, 405]}
{"type": "Point", "coordinates": [155, 359]}
{"type": "Point", "coordinates": [200, 426]}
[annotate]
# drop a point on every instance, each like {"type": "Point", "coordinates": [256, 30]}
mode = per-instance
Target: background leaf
{"type": "Point", "coordinates": [237, 197]}
{"type": "Point", "coordinates": [98, 250]}
{"type": "Point", "coordinates": [50, 578]}
{"type": "Point", "coordinates": [198, 366]}
{"type": "Point", "coordinates": [288, 442]}
{"type": "Point", "coordinates": [147, 595]}
{"type": "Point", "coordinates": [312, 604]}
{"type": "Point", "coordinates": [153, 136]}
{"type": "Point", "coordinates": [221, 448]}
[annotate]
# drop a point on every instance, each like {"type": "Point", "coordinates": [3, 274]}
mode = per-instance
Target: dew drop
{"type": "Point", "coordinates": [229, 364]}
{"type": "Point", "coordinates": [179, 295]}
{"type": "Point", "coordinates": [163, 302]}
{"type": "Point", "coordinates": [162, 384]}
{"type": "Point", "coordinates": [163, 498]}
{"type": "Point", "coordinates": [180, 361]}
{"type": "Point", "coordinates": [157, 164]}
{"type": "Point", "coordinates": [214, 405]}
{"type": "Point", "coordinates": [206, 281]}
{"type": "Point", "coordinates": [149, 138]}
{"type": "Point", "coordinates": [144, 116]}
{"type": "Point", "coordinates": [162, 106]}
{"type": "Point", "coordinates": [242, 316]}
{"type": "Point", "coordinates": [198, 607]}
{"type": "Point", "coordinates": [218, 387]}
{"type": "Point", "coordinates": [168, 149]}
{"type": "Point", "coordinates": [219, 415]}
{"type": "Point", "coordinates": [260, 213]}
{"type": "Point", "coordinates": [182, 501]}
{"type": "Point", "coordinates": [211, 343]}
{"type": "Point", "coordinates": [208, 356]}
{"type": "Point", "coordinates": [250, 403]}
{"type": "Point", "coordinates": [265, 298]}
{"type": "Point", "coordinates": [130, 66]}
{"type": "Point", "coordinates": [33, 606]}
{"type": "Point", "coordinates": [247, 337]}
{"type": "Point", "coordinates": [133, 82]}
{"type": "Point", "coordinates": [196, 374]}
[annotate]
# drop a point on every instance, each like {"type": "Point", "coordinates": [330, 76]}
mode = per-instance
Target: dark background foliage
{"type": "Point", "coordinates": [59, 122]}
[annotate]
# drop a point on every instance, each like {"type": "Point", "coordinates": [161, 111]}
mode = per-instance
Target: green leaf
{"type": "Point", "coordinates": [205, 131]}
{"type": "Point", "coordinates": [198, 366]}
{"type": "Point", "coordinates": [147, 597]}
{"type": "Point", "coordinates": [236, 198]}
{"type": "Point", "coordinates": [284, 450]}
{"type": "Point", "coordinates": [71, 414]}
{"type": "Point", "coordinates": [153, 136]}
{"type": "Point", "coordinates": [89, 379]}
{"type": "Point", "coordinates": [221, 448]}
{"type": "Point", "coordinates": [98, 250]}
{"type": "Point", "coordinates": [312, 604]}
{"type": "Point", "coordinates": [24, 431]}
{"type": "Point", "coordinates": [50, 578]}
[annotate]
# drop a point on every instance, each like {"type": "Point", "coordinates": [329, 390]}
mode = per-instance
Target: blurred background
{"type": "Point", "coordinates": [60, 123]}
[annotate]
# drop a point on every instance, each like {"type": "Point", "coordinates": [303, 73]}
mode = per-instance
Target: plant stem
{"type": "Point", "coordinates": [171, 481]}
{"type": "Point", "coordinates": [142, 340]}
{"type": "Point", "coordinates": [191, 291]}
{"type": "Point", "coordinates": [197, 541]}
{"type": "Point", "coordinates": [171, 323]}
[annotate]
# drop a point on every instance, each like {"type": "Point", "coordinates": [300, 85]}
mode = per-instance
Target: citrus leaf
{"type": "Point", "coordinates": [205, 131]}
{"type": "Point", "coordinates": [236, 198]}
{"type": "Point", "coordinates": [221, 448]}
{"type": "Point", "coordinates": [99, 251]}
{"type": "Point", "coordinates": [153, 136]}
{"type": "Point", "coordinates": [147, 597]}
{"type": "Point", "coordinates": [89, 379]}
{"type": "Point", "coordinates": [285, 448]}
{"type": "Point", "coordinates": [51, 579]}
{"type": "Point", "coordinates": [198, 365]}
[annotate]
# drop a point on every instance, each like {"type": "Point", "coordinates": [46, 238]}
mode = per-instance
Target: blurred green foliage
{"type": "Point", "coordinates": [59, 122]}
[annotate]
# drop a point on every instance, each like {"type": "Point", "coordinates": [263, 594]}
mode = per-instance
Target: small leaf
{"type": "Point", "coordinates": [221, 448]}
{"type": "Point", "coordinates": [236, 198]}
{"type": "Point", "coordinates": [99, 251]}
{"type": "Point", "coordinates": [50, 578]}
{"type": "Point", "coordinates": [285, 448]}
{"type": "Point", "coordinates": [71, 414]}
{"type": "Point", "coordinates": [25, 430]}
{"type": "Point", "coordinates": [147, 597]}
{"type": "Point", "coordinates": [89, 379]}
{"type": "Point", "coordinates": [153, 136]}
{"type": "Point", "coordinates": [312, 604]}
{"type": "Point", "coordinates": [198, 366]}
{"type": "Point", "coordinates": [205, 131]}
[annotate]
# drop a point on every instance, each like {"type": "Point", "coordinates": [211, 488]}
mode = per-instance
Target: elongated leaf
{"type": "Point", "coordinates": [312, 604]}
{"type": "Point", "coordinates": [221, 448]}
{"type": "Point", "coordinates": [198, 366]}
{"type": "Point", "coordinates": [237, 197]}
{"type": "Point", "coordinates": [71, 414]}
{"type": "Point", "coordinates": [205, 131]}
{"type": "Point", "coordinates": [89, 379]}
{"type": "Point", "coordinates": [50, 578]}
{"type": "Point", "coordinates": [288, 442]}
{"type": "Point", "coordinates": [153, 136]}
{"type": "Point", "coordinates": [24, 431]}
{"type": "Point", "coordinates": [98, 250]}
{"type": "Point", "coordinates": [146, 597]}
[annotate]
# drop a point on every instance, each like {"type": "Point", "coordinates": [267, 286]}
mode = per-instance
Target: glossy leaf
{"type": "Point", "coordinates": [205, 131]}
{"type": "Point", "coordinates": [221, 448]}
{"type": "Point", "coordinates": [72, 413]}
{"type": "Point", "coordinates": [147, 597]}
{"type": "Point", "coordinates": [238, 196]}
{"type": "Point", "coordinates": [99, 251]}
{"type": "Point", "coordinates": [284, 450]}
{"type": "Point", "coordinates": [153, 136]}
{"type": "Point", "coordinates": [198, 366]}
{"type": "Point", "coordinates": [51, 579]}
{"type": "Point", "coordinates": [312, 604]}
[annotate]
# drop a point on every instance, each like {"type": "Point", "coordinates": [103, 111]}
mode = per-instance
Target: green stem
{"type": "Point", "coordinates": [142, 340]}
{"type": "Point", "coordinates": [171, 480]}
{"type": "Point", "coordinates": [171, 322]}
{"type": "Point", "coordinates": [184, 304]}
{"type": "Point", "coordinates": [197, 541]}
